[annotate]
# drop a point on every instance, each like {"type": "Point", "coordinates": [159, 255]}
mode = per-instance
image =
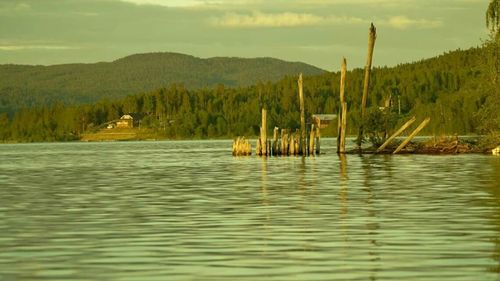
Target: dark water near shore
{"type": "Point", "coordinates": [191, 211]}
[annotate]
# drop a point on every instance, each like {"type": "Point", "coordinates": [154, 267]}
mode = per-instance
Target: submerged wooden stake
{"type": "Point", "coordinates": [302, 146]}
{"type": "Point", "coordinates": [397, 133]}
{"type": "Point", "coordinates": [371, 44]}
{"type": "Point", "coordinates": [412, 135]}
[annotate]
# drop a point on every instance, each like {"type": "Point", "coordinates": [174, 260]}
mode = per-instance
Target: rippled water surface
{"type": "Point", "coordinates": [191, 211]}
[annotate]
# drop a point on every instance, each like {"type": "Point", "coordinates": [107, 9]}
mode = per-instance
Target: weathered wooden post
{"type": "Point", "coordinates": [248, 148]}
{"type": "Point", "coordinates": [284, 142]}
{"type": "Point", "coordinates": [312, 137]}
{"type": "Point", "coordinates": [258, 148]}
{"type": "Point", "coordinates": [302, 147]}
{"type": "Point", "coordinates": [371, 44]}
{"type": "Point", "coordinates": [397, 133]}
{"type": "Point", "coordinates": [343, 110]}
{"type": "Point", "coordinates": [344, 127]}
{"type": "Point", "coordinates": [298, 136]}
{"type": "Point", "coordinates": [412, 135]}
{"type": "Point", "coordinates": [292, 145]}
{"type": "Point", "coordinates": [263, 133]}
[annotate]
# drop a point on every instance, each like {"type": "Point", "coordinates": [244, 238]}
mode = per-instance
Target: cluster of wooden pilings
{"type": "Point", "coordinates": [287, 142]}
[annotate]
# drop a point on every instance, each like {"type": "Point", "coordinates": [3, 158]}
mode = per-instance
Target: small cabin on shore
{"type": "Point", "coordinates": [125, 122]}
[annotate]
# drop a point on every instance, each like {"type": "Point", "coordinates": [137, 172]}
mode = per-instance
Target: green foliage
{"type": "Point", "coordinates": [493, 16]}
{"type": "Point", "coordinates": [378, 124]}
{"type": "Point", "coordinates": [488, 114]}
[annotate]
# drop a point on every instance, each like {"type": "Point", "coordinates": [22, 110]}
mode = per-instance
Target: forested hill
{"type": "Point", "coordinates": [26, 85]}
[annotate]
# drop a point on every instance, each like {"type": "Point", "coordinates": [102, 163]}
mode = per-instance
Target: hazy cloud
{"type": "Point", "coordinates": [22, 6]}
{"type": "Point", "coordinates": [403, 22]}
{"type": "Point", "coordinates": [286, 19]}
{"type": "Point", "coordinates": [35, 47]}
{"type": "Point", "coordinates": [186, 3]}
{"type": "Point", "coordinates": [259, 19]}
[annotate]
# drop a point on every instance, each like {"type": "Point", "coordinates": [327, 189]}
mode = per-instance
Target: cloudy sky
{"type": "Point", "coordinates": [318, 32]}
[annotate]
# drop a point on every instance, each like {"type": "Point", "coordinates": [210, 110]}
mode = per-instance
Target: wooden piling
{"type": "Point", "coordinates": [284, 142]}
{"type": "Point", "coordinates": [371, 44]}
{"type": "Point", "coordinates": [302, 117]}
{"type": "Point", "coordinates": [412, 135]}
{"type": "Point", "coordinates": [342, 118]}
{"type": "Point", "coordinates": [275, 141]}
{"type": "Point", "coordinates": [298, 136]}
{"type": "Point", "coordinates": [397, 133]}
{"type": "Point", "coordinates": [344, 127]}
{"type": "Point", "coordinates": [312, 137]}
{"type": "Point", "coordinates": [258, 148]}
{"type": "Point", "coordinates": [263, 133]}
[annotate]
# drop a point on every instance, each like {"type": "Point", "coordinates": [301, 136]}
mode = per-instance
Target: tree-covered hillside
{"type": "Point", "coordinates": [28, 86]}
{"type": "Point", "coordinates": [450, 89]}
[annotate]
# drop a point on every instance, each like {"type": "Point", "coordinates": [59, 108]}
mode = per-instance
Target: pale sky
{"type": "Point", "coordinates": [318, 32]}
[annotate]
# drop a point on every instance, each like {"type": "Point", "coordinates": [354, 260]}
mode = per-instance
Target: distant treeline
{"type": "Point", "coordinates": [453, 89]}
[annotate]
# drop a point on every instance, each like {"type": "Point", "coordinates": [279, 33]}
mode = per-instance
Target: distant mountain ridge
{"type": "Point", "coordinates": [35, 85]}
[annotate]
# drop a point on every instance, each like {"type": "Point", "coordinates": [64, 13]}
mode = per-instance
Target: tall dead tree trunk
{"type": "Point", "coordinates": [342, 116]}
{"type": "Point", "coordinates": [302, 145]}
{"type": "Point", "coordinates": [371, 44]}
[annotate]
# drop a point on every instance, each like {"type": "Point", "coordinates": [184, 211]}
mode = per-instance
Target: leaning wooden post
{"type": "Point", "coordinates": [371, 44]}
{"type": "Point", "coordinates": [397, 133]}
{"type": "Point", "coordinates": [412, 135]}
{"type": "Point", "coordinates": [263, 132]}
{"type": "Point", "coordinates": [318, 139]}
{"type": "Point", "coordinates": [302, 147]}
{"type": "Point", "coordinates": [342, 118]}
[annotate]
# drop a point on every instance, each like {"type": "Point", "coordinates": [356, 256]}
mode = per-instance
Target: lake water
{"type": "Point", "coordinates": [191, 211]}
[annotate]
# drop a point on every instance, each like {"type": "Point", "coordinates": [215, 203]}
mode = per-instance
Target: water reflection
{"type": "Point", "coordinates": [190, 211]}
{"type": "Point", "coordinates": [344, 208]}
{"type": "Point", "coordinates": [494, 189]}
{"type": "Point", "coordinates": [372, 224]}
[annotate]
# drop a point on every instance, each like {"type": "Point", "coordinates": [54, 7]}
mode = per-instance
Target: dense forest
{"type": "Point", "coordinates": [453, 89]}
{"type": "Point", "coordinates": [27, 85]}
